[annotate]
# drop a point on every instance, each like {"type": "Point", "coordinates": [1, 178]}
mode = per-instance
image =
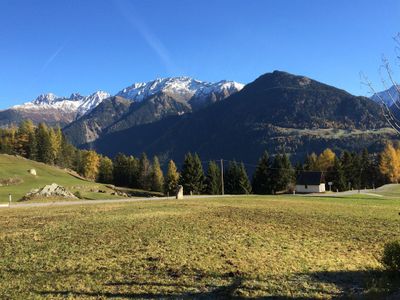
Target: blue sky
{"type": "Point", "coordinates": [82, 46]}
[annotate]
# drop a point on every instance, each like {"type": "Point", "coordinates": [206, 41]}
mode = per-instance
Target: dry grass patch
{"type": "Point", "coordinates": [210, 248]}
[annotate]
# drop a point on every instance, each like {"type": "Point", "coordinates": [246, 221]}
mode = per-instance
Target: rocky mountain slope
{"type": "Point", "coordinates": [90, 126]}
{"type": "Point", "coordinates": [150, 102]}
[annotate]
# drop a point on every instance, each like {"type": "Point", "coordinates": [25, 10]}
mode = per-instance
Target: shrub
{"type": "Point", "coordinates": [391, 256]}
{"type": "Point", "coordinates": [78, 195]}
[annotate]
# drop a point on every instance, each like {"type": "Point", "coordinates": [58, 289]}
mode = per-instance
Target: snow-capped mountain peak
{"type": "Point", "coordinates": [76, 96]}
{"type": "Point", "coordinates": [90, 102]}
{"type": "Point", "coordinates": [167, 96]}
{"type": "Point", "coordinates": [185, 87]}
{"type": "Point", "coordinates": [388, 96]}
{"type": "Point", "coordinates": [45, 99]}
{"type": "Point", "coordinates": [75, 104]}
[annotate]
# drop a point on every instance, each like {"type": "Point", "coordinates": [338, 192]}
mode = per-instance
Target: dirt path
{"type": "Point", "coordinates": [346, 193]}
{"type": "Point", "coordinates": [89, 202]}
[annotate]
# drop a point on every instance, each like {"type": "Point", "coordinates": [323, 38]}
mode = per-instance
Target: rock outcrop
{"type": "Point", "coordinates": [52, 190]}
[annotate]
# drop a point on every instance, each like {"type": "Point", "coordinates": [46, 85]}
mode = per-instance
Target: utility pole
{"type": "Point", "coordinates": [222, 177]}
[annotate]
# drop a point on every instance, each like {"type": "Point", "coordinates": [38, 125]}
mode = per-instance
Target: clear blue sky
{"type": "Point", "coordinates": [67, 46]}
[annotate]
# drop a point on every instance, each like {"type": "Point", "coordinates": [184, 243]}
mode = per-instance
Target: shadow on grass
{"type": "Point", "coordinates": [217, 292]}
{"type": "Point", "coordinates": [351, 284]}
{"type": "Point", "coordinates": [372, 284]}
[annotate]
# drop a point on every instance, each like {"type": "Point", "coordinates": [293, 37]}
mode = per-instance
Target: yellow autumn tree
{"type": "Point", "coordinates": [55, 137]}
{"type": "Point", "coordinates": [326, 159]}
{"type": "Point", "coordinates": [91, 163]}
{"type": "Point", "coordinates": [389, 164]}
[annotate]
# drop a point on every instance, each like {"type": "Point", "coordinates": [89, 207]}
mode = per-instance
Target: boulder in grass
{"type": "Point", "coordinates": [32, 172]}
{"type": "Point", "coordinates": [51, 190]}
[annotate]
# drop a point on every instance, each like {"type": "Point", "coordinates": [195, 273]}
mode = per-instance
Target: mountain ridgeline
{"type": "Point", "coordinates": [146, 103]}
{"type": "Point", "coordinates": [172, 116]}
{"type": "Point", "coordinates": [278, 112]}
{"type": "Point", "coordinates": [52, 109]}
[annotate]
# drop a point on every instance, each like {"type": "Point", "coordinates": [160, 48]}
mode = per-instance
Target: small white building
{"type": "Point", "coordinates": [310, 182]}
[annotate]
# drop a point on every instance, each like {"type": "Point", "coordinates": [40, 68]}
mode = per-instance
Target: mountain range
{"type": "Point", "coordinates": [171, 116]}
{"type": "Point", "coordinates": [137, 104]}
{"type": "Point", "coordinates": [278, 112]}
{"type": "Point", "coordinates": [52, 109]}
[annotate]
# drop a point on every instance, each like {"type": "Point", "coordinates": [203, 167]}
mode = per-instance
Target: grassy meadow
{"type": "Point", "coordinates": [15, 167]}
{"type": "Point", "coordinates": [233, 247]}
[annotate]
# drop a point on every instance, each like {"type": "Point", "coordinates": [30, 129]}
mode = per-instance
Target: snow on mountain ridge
{"type": "Point", "coordinates": [184, 89]}
{"type": "Point", "coordinates": [184, 86]}
{"type": "Point", "coordinates": [388, 96]}
{"type": "Point", "coordinates": [76, 103]}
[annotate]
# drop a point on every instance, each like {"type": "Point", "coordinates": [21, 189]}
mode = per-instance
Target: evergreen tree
{"type": "Point", "coordinates": [236, 179]}
{"type": "Point", "coordinates": [346, 160]}
{"type": "Point", "coordinates": [121, 170]}
{"type": "Point", "coordinates": [105, 170]}
{"type": "Point", "coordinates": [368, 175]}
{"type": "Point", "coordinates": [299, 168]}
{"type": "Point", "coordinates": [192, 177]}
{"type": "Point", "coordinates": [171, 179]}
{"type": "Point", "coordinates": [262, 176]}
{"type": "Point", "coordinates": [133, 172]}
{"type": "Point", "coordinates": [157, 177]}
{"type": "Point", "coordinates": [282, 173]}
{"type": "Point", "coordinates": [244, 182]}
{"type": "Point", "coordinates": [144, 172]}
{"type": "Point", "coordinates": [44, 146]}
{"type": "Point", "coordinates": [78, 162]}
{"type": "Point", "coordinates": [357, 170]}
{"type": "Point", "coordinates": [231, 178]}
{"type": "Point", "coordinates": [336, 175]}
{"type": "Point", "coordinates": [67, 154]}
{"type": "Point", "coordinates": [213, 179]}
{"type": "Point", "coordinates": [33, 147]}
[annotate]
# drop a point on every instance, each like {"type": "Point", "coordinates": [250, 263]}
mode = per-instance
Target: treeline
{"type": "Point", "coordinates": [148, 175]}
{"type": "Point", "coordinates": [349, 170]}
{"type": "Point", "coordinates": [273, 174]}
{"type": "Point", "coordinates": [48, 145]}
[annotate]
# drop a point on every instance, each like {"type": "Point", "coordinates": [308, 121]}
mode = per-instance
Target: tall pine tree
{"type": "Point", "coordinates": [192, 176]}
{"type": "Point", "coordinates": [282, 173]}
{"type": "Point", "coordinates": [45, 149]}
{"type": "Point", "coordinates": [336, 175]}
{"type": "Point", "coordinates": [236, 179]}
{"type": "Point", "coordinates": [105, 170]}
{"type": "Point", "coordinates": [121, 172]}
{"type": "Point", "coordinates": [262, 176]}
{"type": "Point", "coordinates": [144, 172]}
{"type": "Point", "coordinates": [213, 179]}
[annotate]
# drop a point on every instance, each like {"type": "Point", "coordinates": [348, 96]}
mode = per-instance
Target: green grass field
{"type": "Point", "coordinates": [17, 167]}
{"type": "Point", "coordinates": [252, 246]}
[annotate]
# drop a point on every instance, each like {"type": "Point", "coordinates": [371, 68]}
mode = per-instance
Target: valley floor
{"type": "Point", "coordinates": [248, 246]}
